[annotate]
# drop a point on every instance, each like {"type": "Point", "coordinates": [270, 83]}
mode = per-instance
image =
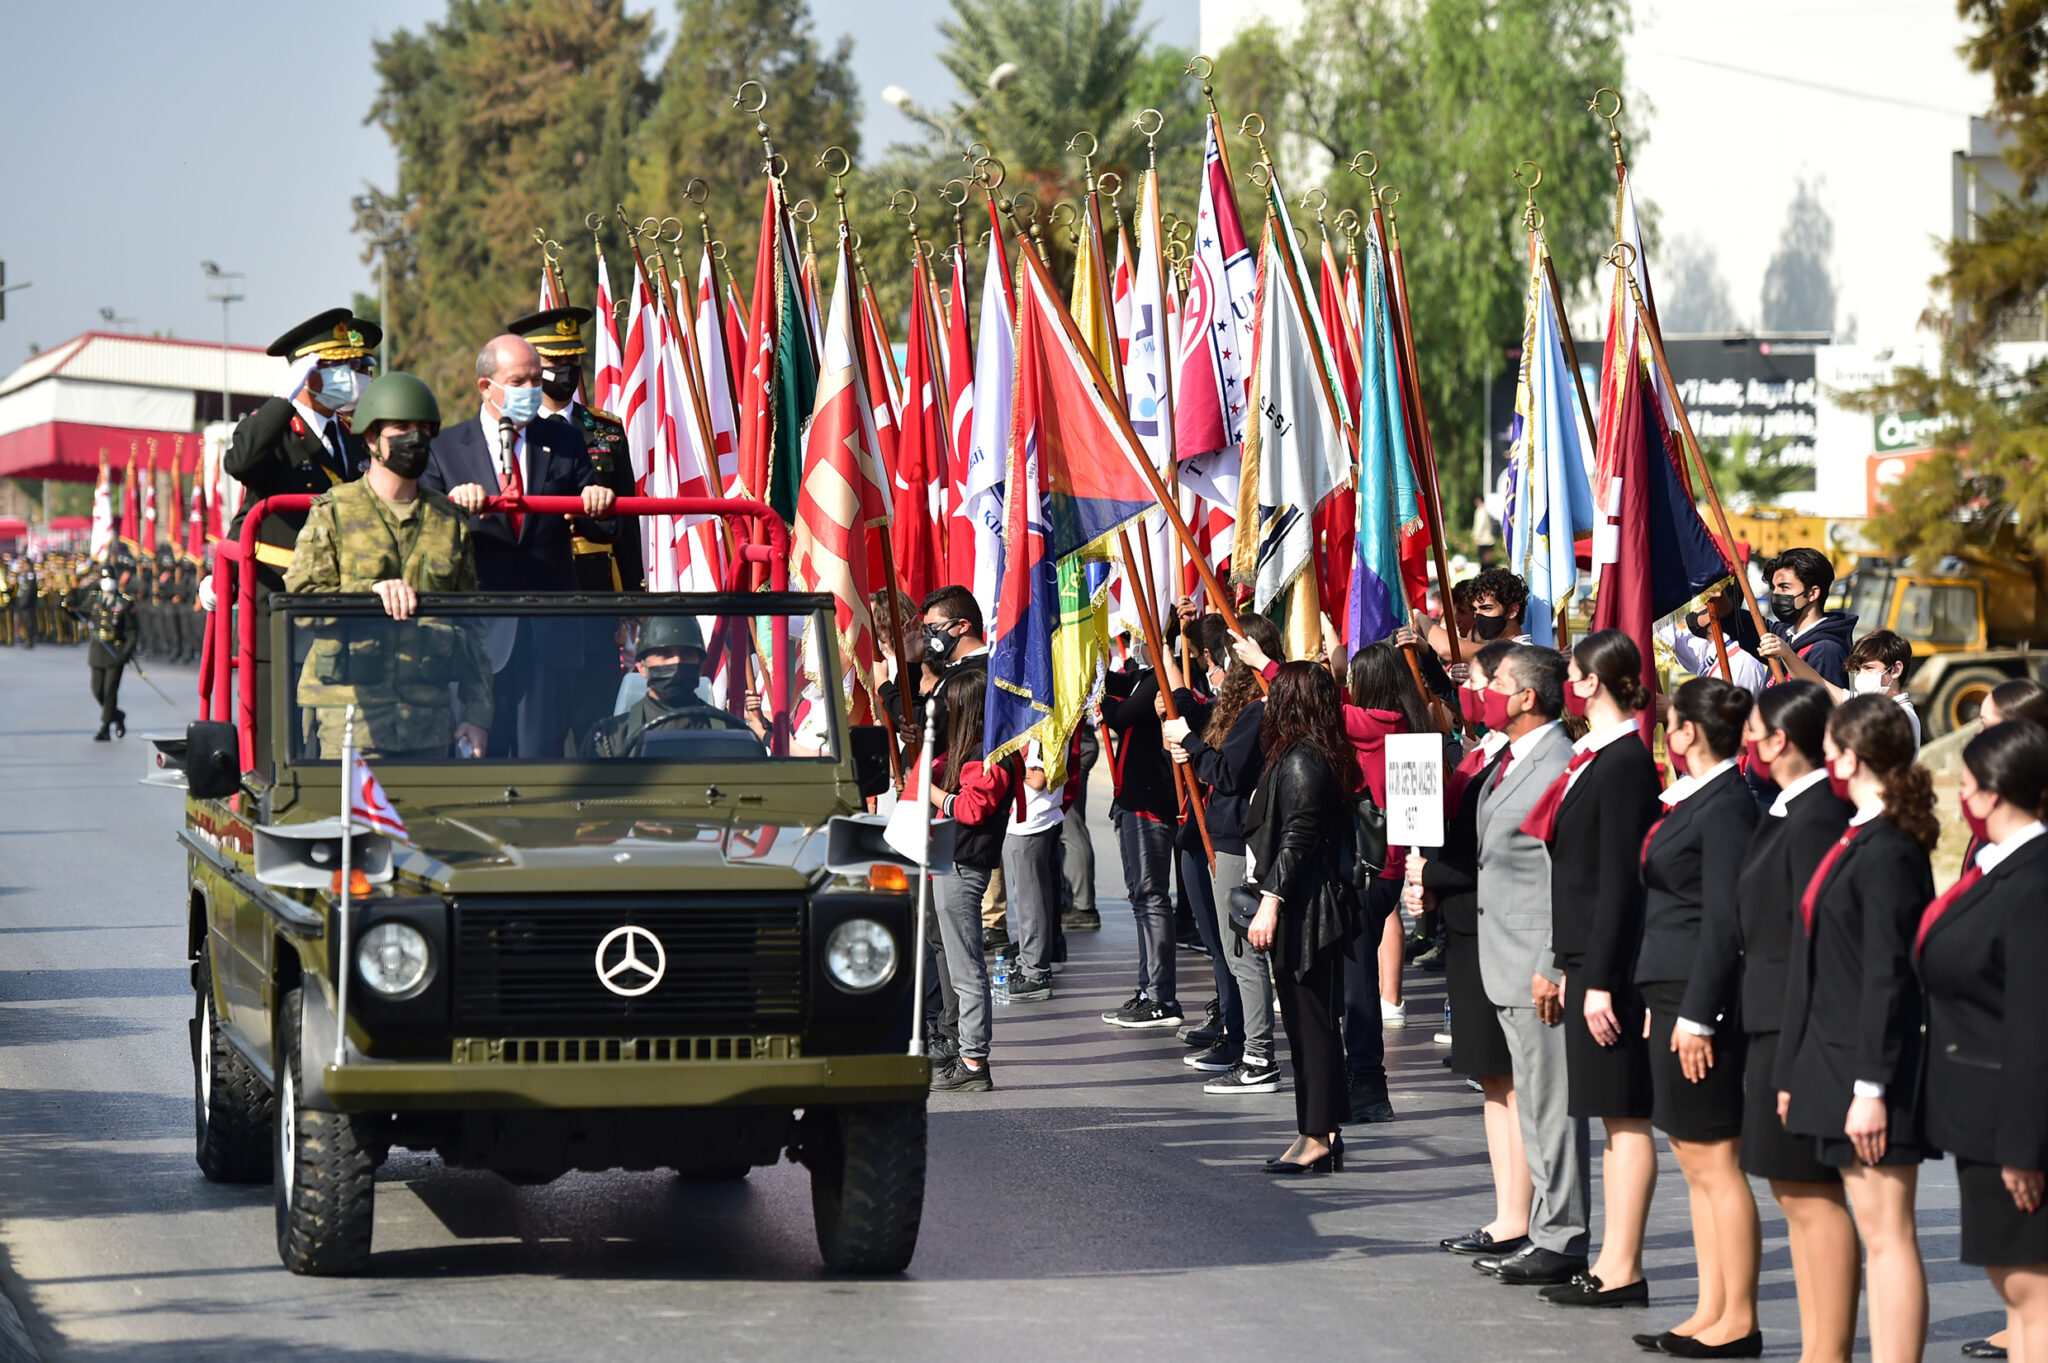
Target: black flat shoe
{"type": "Point", "coordinates": [1652, 1344]}
{"type": "Point", "coordinates": [1479, 1242]}
{"type": "Point", "coordinates": [1982, 1348]}
{"type": "Point", "coordinates": [1585, 1290]}
{"type": "Point", "coordinates": [1331, 1162]}
{"type": "Point", "coordinates": [1750, 1345]}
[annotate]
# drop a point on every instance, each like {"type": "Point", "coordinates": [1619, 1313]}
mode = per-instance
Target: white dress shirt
{"type": "Point", "coordinates": [1992, 853]}
{"type": "Point", "coordinates": [1782, 806]}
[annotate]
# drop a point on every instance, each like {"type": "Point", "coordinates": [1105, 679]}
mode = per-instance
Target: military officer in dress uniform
{"type": "Point", "coordinates": [388, 535]}
{"type": "Point", "coordinates": [606, 560]}
{"type": "Point", "coordinates": [110, 640]}
{"type": "Point", "coordinates": [559, 337]}
{"type": "Point", "coordinates": [191, 619]}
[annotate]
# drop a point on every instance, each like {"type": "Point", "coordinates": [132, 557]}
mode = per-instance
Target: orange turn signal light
{"type": "Point", "coordinates": [882, 876]}
{"type": "Point", "coordinates": [358, 883]}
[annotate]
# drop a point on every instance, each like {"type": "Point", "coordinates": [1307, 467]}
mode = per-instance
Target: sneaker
{"type": "Point", "coordinates": [1151, 1015]}
{"type": "Point", "coordinates": [1393, 1016]}
{"type": "Point", "coordinates": [1207, 1032]}
{"type": "Point", "coordinates": [1024, 989]}
{"type": "Point", "coordinates": [1128, 1009]}
{"type": "Point", "coordinates": [957, 1076]}
{"type": "Point", "coordinates": [1253, 1074]}
{"type": "Point", "coordinates": [994, 940]}
{"type": "Point", "coordinates": [1443, 1038]}
{"type": "Point", "coordinates": [1081, 920]}
{"type": "Point", "coordinates": [1369, 1103]}
{"type": "Point", "coordinates": [1412, 948]}
{"type": "Point", "coordinates": [1217, 1059]}
{"type": "Point", "coordinates": [1433, 959]}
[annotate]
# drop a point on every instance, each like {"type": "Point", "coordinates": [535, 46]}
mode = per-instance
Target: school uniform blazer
{"type": "Point", "coordinates": [1596, 877]}
{"type": "Point", "coordinates": [1689, 878]}
{"type": "Point", "coordinates": [1749, 972]}
{"type": "Point", "coordinates": [1852, 1006]}
{"type": "Point", "coordinates": [1984, 966]}
{"type": "Point", "coordinates": [538, 558]}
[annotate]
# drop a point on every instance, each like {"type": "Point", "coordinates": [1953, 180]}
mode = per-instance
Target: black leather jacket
{"type": "Point", "coordinates": [1295, 836]}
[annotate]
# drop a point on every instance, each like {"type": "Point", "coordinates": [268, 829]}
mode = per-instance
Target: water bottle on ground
{"type": "Point", "coordinates": [999, 978]}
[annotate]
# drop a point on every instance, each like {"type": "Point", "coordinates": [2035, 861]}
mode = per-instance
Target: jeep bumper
{"type": "Point", "coordinates": [810, 1081]}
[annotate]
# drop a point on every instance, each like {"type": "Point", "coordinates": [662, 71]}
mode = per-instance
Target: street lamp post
{"type": "Point", "coordinates": [384, 224]}
{"type": "Point", "coordinates": [226, 289]}
{"type": "Point", "coordinates": [998, 80]}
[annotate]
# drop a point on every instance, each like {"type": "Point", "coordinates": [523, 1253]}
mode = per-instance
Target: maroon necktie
{"type": "Point", "coordinates": [1943, 903]}
{"type": "Point", "coordinates": [1820, 876]}
{"type": "Point", "coordinates": [1650, 836]}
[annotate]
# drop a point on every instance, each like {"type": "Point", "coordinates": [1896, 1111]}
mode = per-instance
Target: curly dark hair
{"type": "Point", "coordinates": [1876, 730]}
{"type": "Point", "coordinates": [1503, 586]}
{"type": "Point", "coordinates": [1240, 684]}
{"type": "Point", "coordinates": [1304, 706]}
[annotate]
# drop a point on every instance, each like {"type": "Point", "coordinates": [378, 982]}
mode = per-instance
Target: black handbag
{"type": "Point", "coordinates": [1368, 840]}
{"type": "Point", "coordinates": [1244, 907]}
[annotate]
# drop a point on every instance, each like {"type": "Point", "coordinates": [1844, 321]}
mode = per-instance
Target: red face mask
{"type": "Point", "coordinates": [1574, 703]}
{"type": "Point", "coordinates": [1472, 705]}
{"type": "Point", "coordinates": [1678, 765]}
{"type": "Point", "coordinates": [1494, 709]}
{"type": "Point", "coordinates": [1754, 759]}
{"type": "Point", "coordinates": [1978, 828]}
{"type": "Point", "coordinates": [1839, 785]}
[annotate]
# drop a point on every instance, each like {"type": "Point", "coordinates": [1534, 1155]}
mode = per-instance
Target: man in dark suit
{"type": "Point", "coordinates": [510, 449]}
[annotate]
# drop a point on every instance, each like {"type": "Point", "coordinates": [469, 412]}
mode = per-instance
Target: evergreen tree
{"type": "Point", "coordinates": [694, 130]}
{"type": "Point", "coordinates": [508, 115]}
{"type": "Point", "coordinates": [1450, 95]}
{"type": "Point", "coordinates": [1983, 488]}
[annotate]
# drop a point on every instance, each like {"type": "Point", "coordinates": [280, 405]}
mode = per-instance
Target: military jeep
{"type": "Point", "coordinates": [684, 956]}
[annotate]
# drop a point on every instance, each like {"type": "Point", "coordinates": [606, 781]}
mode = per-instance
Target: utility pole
{"type": "Point", "coordinates": [7, 288]}
{"type": "Point", "coordinates": [383, 222]}
{"type": "Point", "coordinates": [226, 288]}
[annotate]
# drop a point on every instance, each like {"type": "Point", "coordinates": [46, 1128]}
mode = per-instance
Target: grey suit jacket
{"type": "Point", "coordinates": [1514, 876]}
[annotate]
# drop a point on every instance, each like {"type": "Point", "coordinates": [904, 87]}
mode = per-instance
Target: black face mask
{"type": "Point", "coordinates": [1489, 626]}
{"type": "Point", "coordinates": [1699, 631]}
{"type": "Point", "coordinates": [673, 684]}
{"type": "Point", "coordinates": [940, 641]}
{"type": "Point", "coordinates": [1785, 605]}
{"type": "Point", "coordinates": [560, 384]}
{"type": "Point", "coordinates": [406, 455]}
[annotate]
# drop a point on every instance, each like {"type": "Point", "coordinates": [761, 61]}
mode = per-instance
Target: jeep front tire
{"type": "Point", "coordinates": [867, 1184]}
{"type": "Point", "coordinates": [326, 1180]}
{"type": "Point", "coordinates": [231, 1107]}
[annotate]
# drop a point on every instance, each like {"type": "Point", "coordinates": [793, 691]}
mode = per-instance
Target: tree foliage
{"type": "Point", "coordinates": [1450, 95]}
{"type": "Point", "coordinates": [1983, 487]}
{"type": "Point", "coordinates": [512, 115]}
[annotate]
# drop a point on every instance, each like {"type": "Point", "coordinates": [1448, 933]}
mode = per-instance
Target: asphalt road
{"type": "Point", "coordinates": [1098, 1205]}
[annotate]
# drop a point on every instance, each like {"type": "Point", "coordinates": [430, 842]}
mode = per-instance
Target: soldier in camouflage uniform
{"type": "Point", "coordinates": [672, 660]}
{"type": "Point", "coordinates": [386, 534]}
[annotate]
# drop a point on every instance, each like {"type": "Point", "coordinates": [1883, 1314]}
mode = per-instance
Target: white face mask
{"type": "Point", "coordinates": [1868, 683]}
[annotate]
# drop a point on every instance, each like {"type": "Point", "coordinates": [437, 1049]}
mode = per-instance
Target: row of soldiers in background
{"type": "Point", "coordinates": [43, 600]}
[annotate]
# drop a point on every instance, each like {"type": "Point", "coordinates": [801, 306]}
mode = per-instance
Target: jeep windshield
{"type": "Point", "coordinates": [506, 679]}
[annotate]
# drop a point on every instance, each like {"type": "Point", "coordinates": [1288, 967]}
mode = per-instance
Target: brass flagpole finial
{"type": "Point", "coordinates": [959, 223]}
{"type": "Point", "coordinates": [1087, 157]}
{"type": "Point", "coordinates": [1623, 258]}
{"type": "Point", "coordinates": [838, 178]}
{"type": "Point", "coordinates": [1201, 68]}
{"type": "Point", "coordinates": [1529, 175]}
{"type": "Point", "coordinates": [1321, 202]}
{"type": "Point", "coordinates": [1367, 166]}
{"type": "Point", "coordinates": [772, 163]}
{"type": "Point", "coordinates": [909, 217]}
{"type": "Point", "coordinates": [804, 220]}
{"type": "Point", "coordinates": [1072, 217]}
{"type": "Point", "coordinates": [1348, 223]}
{"type": "Point", "coordinates": [1149, 122]}
{"type": "Point", "coordinates": [1253, 125]}
{"type": "Point", "coordinates": [595, 222]}
{"type": "Point", "coordinates": [1111, 183]}
{"type": "Point", "coordinates": [1593, 106]}
{"type": "Point", "coordinates": [1022, 208]}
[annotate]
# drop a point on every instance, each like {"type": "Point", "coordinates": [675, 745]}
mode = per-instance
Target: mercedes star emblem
{"type": "Point", "coordinates": [631, 973]}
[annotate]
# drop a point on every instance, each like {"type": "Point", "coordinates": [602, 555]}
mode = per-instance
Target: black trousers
{"type": "Point", "coordinates": [1364, 1037]}
{"type": "Point", "coordinates": [1310, 1010]}
{"type": "Point", "coordinates": [106, 689]}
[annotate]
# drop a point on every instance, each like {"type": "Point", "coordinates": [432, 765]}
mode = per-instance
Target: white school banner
{"type": "Point", "coordinates": [1415, 790]}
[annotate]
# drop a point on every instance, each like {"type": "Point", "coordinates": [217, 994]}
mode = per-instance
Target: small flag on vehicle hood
{"type": "Point", "coordinates": [368, 802]}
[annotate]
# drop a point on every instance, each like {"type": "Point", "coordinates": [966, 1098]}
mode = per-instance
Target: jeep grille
{"type": "Point", "coordinates": [526, 965]}
{"type": "Point", "coordinates": [627, 1050]}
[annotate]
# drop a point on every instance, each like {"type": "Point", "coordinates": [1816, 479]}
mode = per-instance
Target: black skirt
{"type": "Point", "coordinates": [1710, 1110]}
{"type": "Point", "coordinates": [1606, 1081]}
{"type": "Point", "coordinates": [1478, 1045]}
{"type": "Point", "coordinates": [1839, 1152]}
{"type": "Point", "coordinates": [1996, 1234]}
{"type": "Point", "coordinates": [1768, 1149]}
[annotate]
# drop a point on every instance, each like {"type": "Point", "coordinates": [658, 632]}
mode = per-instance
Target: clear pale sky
{"type": "Point", "coordinates": [149, 137]}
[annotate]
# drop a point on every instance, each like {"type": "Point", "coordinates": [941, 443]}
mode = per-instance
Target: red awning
{"type": "Point", "coordinates": [70, 451]}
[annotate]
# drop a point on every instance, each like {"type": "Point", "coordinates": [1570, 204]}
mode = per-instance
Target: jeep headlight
{"type": "Point", "coordinates": [860, 955]}
{"type": "Point", "coordinates": [393, 959]}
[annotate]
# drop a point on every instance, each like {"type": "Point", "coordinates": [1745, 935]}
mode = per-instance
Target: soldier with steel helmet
{"type": "Point", "coordinates": [671, 659]}
{"type": "Point", "coordinates": [388, 535]}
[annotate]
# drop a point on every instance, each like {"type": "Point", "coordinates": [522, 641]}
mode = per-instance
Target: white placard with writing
{"type": "Point", "coordinates": [1415, 790]}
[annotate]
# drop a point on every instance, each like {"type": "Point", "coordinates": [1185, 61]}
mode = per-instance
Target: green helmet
{"type": "Point", "coordinates": [396, 396]}
{"type": "Point", "coordinates": [670, 634]}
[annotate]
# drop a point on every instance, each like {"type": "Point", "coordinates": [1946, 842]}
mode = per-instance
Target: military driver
{"type": "Point", "coordinates": [671, 658]}
{"type": "Point", "coordinates": [386, 534]}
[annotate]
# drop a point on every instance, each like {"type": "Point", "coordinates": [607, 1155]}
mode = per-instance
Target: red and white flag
{"type": "Point", "coordinates": [608, 374]}
{"type": "Point", "coordinates": [920, 452]}
{"type": "Point", "coordinates": [959, 531]}
{"type": "Point", "coordinates": [367, 802]}
{"type": "Point", "coordinates": [713, 340]}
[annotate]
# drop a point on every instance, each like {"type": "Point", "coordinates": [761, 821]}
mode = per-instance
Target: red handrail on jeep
{"type": "Point", "coordinates": [221, 665]}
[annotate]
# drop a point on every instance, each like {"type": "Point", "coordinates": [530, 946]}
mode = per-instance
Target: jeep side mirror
{"type": "Point", "coordinates": [871, 758]}
{"type": "Point", "coordinates": [213, 760]}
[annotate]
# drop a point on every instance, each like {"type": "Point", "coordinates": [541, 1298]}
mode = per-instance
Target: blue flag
{"type": "Point", "coordinates": [1386, 472]}
{"type": "Point", "coordinates": [1550, 501]}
